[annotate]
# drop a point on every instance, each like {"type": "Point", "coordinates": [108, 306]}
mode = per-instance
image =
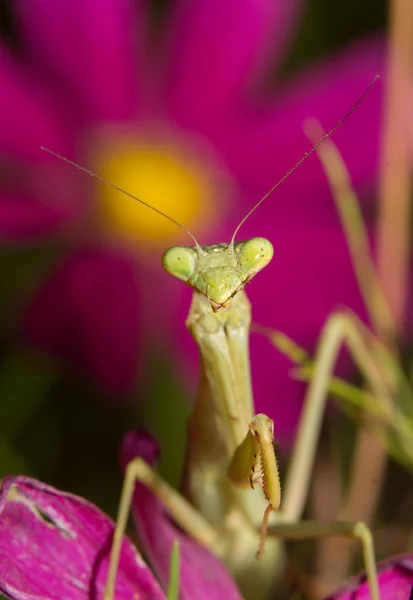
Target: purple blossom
{"type": "Point", "coordinates": [98, 278]}
{"type": "Point", "coordinates": [56, 544]}
{"type": "Point", "coordinates": [85, 74]}
{"type": "Point", "coordinates": [395, 581]}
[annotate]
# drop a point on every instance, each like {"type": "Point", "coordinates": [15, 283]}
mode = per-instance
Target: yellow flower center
{"type": "Point", "coordinates": [176, 179]}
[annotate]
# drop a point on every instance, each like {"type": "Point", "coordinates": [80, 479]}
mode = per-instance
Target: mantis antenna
{"type": "Point", "coordinates": [306, 155]}
{"type": "Point", "coordinates": [116, 187]}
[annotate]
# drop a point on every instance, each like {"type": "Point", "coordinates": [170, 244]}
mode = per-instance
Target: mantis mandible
{"type": "Point", "coordinates": [229, 449]}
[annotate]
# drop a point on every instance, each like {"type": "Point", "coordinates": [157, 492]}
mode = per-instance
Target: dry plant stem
{"type": "Point", "coordinates": [393, 225]}
{"type": "Point", "coordinates": [354, 229]}
{"type": "Point", "coordinates": [393, 251]}
{"type": "Point", "coordinates": [334, 555]}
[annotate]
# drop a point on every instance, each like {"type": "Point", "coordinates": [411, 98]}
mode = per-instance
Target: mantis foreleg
{"type": "Point", "coordinates": [256, 453]}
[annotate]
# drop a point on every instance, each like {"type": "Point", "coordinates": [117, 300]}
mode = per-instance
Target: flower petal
{"type": "Point", "coordinates": [215, 46]}
{"type": "Point", "coordinates": [55, 545]}
{"type": "Point", "coordinates": [310, 277]}
{"type": "Point", "coordinates": [395, 581]}
{"type": "Point", "coordinates": [89, 47]}
{"type": "Point", "coordinates": [202, 576]}
{"type": "Point", "coordinates": [266, 143]}
{"type": "Point", "coordinates": [29, 116]}
{"type": "Point", "coordinates": [87, 314]}
{"type": "Point", "coordinates": [34, 203]}
{"type": "Point", "coordinates": [26, 218]}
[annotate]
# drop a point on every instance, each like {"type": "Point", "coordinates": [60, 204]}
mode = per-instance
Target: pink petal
{"type": "Point", "coordinates": [29, 114]}
{"type": "Point", "coordinates": [55, 545]}
{"type": "Point", "coordinates": [88, 47]}
{"type": "Point", "coordinates": [395, 581]}
{"type": "Point", "coordinates": [23, 219]}
{"type": "Point", "coordinates": [260, 146]}
{"type": "Point", "coordinates": [202, 576]}
{"type": "Point", "coordinates": [35, 204]}
{"type": "Point", "coordinates": [215, 48]}
{"type": "Point", "coordinates": [309, 277]}
{"type": "Point", "coordinates": [87, 315]}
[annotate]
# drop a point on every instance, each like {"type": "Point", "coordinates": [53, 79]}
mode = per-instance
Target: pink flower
{"type": "Point", "coordinates": [395, 581]}
{"type": "Point", "coordinates": [181, 120]}
{"type": "Point", "coordinates": [97, 280]}
{"type": "Point", "coordinates": [56, 545]}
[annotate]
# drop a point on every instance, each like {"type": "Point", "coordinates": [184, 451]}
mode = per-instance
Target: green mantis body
{"type": "Point", "coordinates": [229, 448]}
{"type": "Point", "coordinates": [226, 443]}
{"type": "Point", "coordinates": [224, 451]}
{"type": "Point", "coordinates": [224, 455]}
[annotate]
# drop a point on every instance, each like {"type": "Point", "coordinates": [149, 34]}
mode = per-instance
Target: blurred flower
{"type": "Point", "coordinates": [180, 120]}
{"type": "Point", "coordinates": [395, 581]}
{"type": "Point", "coordinates": [56, 545]}
{"type": "Point", "coordinates": [82, 307]}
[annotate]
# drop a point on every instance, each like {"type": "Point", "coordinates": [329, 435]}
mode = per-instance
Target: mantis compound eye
{"type": "Point", "coordinates": [255, 254]}
{"type": "Point", "coordinates": [179, 261]}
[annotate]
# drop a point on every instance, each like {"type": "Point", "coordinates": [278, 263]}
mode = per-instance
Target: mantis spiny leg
{"type": "Point", "coordinates": [179, 509]}
{"type": "Point", "coordinates": [256, 452]}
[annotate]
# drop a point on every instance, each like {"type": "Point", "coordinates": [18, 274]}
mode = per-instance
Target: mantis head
{"type": "Point", "coordinates": [218, 271]}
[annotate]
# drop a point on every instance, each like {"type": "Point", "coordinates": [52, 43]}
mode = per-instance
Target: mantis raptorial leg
{"type": "Point", "coordinates": [218, 452]}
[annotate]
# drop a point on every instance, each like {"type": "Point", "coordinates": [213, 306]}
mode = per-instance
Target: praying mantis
{"type": "Point", "coordinates": [230, 449]}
